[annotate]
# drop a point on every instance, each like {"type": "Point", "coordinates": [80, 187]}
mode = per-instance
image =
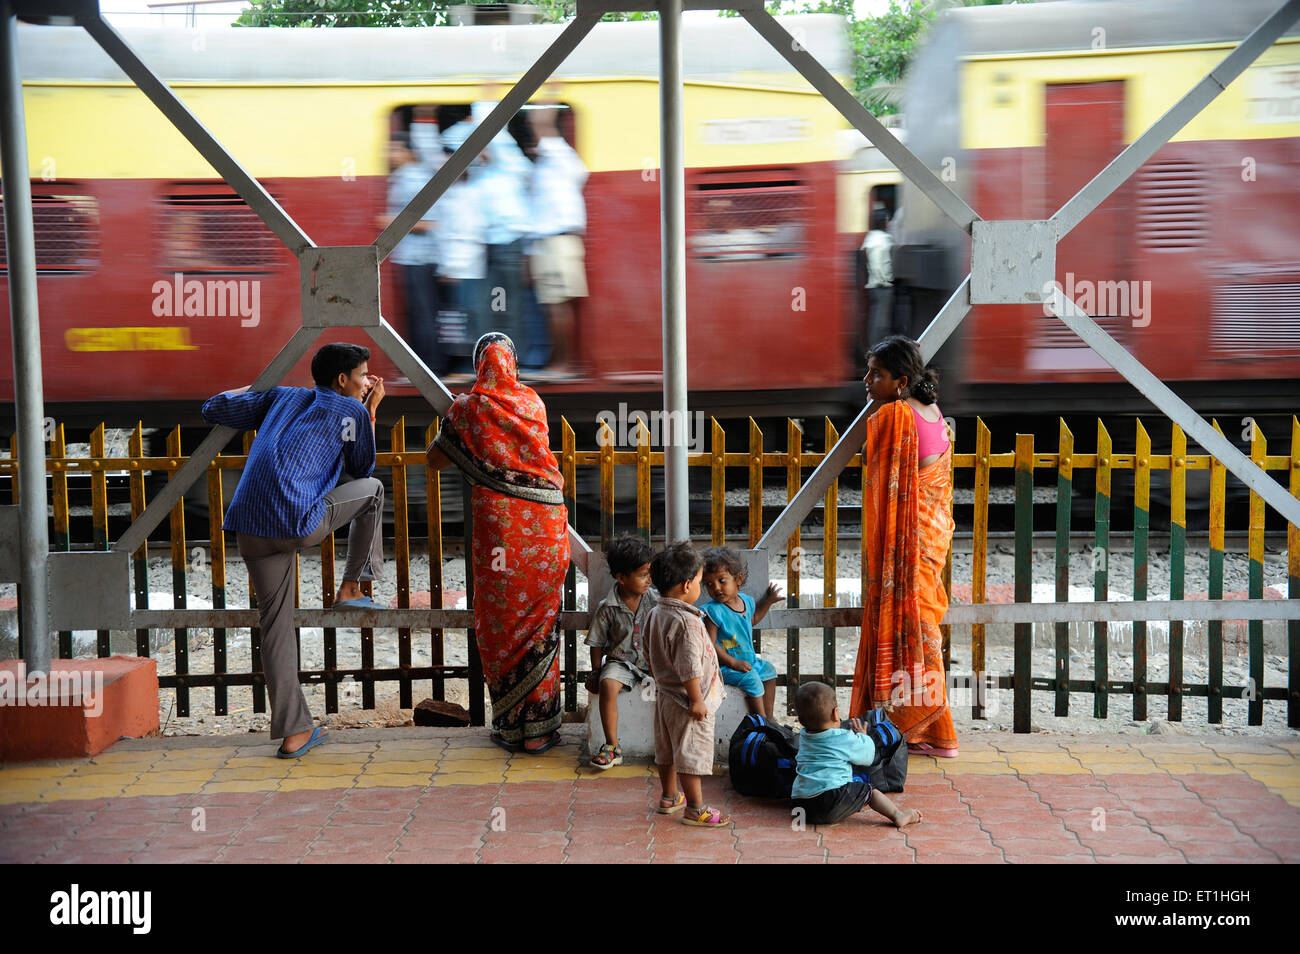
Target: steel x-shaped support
{"type": "Point", "coordinates": [1001, 249]}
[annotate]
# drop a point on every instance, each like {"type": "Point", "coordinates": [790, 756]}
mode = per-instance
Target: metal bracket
{"type": "Point", "coordinates": [340, 287]}
{"type": "Point", "coordinates": [102, 583]}
{"type": "Point", "coordinates": [1012, 262]}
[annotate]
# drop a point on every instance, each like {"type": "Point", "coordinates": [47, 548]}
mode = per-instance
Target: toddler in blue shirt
{"type": "Point", "coordinates": [730, 616]}
{"type": "Point", "coordinates": [826, 787]}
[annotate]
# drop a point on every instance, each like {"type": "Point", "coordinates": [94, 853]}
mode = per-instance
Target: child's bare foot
{"type": "Point", "coordinates": [905, 817]}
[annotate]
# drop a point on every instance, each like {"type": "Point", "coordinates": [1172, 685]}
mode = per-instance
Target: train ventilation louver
{"type": "Point", "coordinates": [1054, 333]}
{"type": "Point", "coordinates": [757, 215]}
{"type": "Point", "coordinates": [1256, 319]}
{"type": "Point", "coordinates": [1172, 206]}
{"type": "Point", "coordinates": [210, 229]}
{"type": "Point", "coordinates": [67, 233]}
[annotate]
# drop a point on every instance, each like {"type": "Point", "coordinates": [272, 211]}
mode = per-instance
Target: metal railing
{"type": "Point", "coordinates": [758, 462]}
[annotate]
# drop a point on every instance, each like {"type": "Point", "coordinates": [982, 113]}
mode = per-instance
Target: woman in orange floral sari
{"type": "Point", "coordinates": [497, 435]}
{"type": "Point", "coordinates": [907, 513]}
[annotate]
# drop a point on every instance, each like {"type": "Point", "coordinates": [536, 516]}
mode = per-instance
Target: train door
{"type": "Point", "coordinates": [1084, 131]}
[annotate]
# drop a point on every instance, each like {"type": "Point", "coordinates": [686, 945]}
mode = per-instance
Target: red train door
{"type": "Point", "coordinates": [1084, 130]}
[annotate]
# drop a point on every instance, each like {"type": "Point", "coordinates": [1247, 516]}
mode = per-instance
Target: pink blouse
{"type": "Point", "coordinates": [931, 436]}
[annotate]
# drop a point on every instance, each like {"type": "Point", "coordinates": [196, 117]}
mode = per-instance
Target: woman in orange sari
{"type": "Point", "coordinates": [497, 435]}
{"type": "Point", "coordinates": [907, 515]}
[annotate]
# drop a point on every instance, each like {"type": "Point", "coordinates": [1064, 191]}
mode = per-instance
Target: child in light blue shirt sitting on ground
{"type": "Point", "coordinates": [826, 787]}
{"type": "Point", "coordinates": [730, 617]}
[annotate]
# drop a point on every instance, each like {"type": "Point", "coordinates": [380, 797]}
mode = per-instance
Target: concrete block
{"type": "Point", "coordinates": [78, 709]}
{"type": "Point", "coordinates": [636, 724]}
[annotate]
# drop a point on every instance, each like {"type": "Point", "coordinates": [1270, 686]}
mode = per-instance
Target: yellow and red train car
{"type": "Point", "coordinates": [124, 204]}
{"type": "Point", "coordinates": [1193, 264]}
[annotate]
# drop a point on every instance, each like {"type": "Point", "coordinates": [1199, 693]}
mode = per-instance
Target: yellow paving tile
{"type": "Point", "coordinates": [411, 743]}
{"type": "Point", "coordinates": [353, 747]}
{"type": "Point", "coordinates": [394, 780]}
{"type": "Point", "coordinates": [467, 778]}
{"type": "Point", "coordinates": [1125, 768]}
{"type": "Point", "coordinates": [99, 779]}
{"type": "Point", "coordinates": [415, 766]}
{"type": "Point", "coordinates": [178, 777]}
{"type": "Point", "coordinates": [266, 785]}
{"type": "Point", "coordinates": [1043, 768]}
{"type": "Point", "coordinates": [34, 772]}
{"type": "Point", "coordinates": [28, 790]}
{"type": "Point", "coordinates": [924, 764]}
{"type": "Point", "coordinates": [243, 761]}
{"type": "Point", "coordinates": [87, 792]}
{"type": "Point", "coordinates": [956, 767]}
{"type": "Point", "coordinates": [323, 770]}
{"type": "Point", "coordinates": [488, 751]}
{"type": "Point", "coordinates": [251, 773]}
{"type": "Point", "coordinates": [1239, 758]}
{"type": "Point", "coordinates": [219, 753]}
{"type": "Point", "coordinates": [454, 764]}
{"type": "Point", "coordinates": [980, 755]}
{"type": "Point", "coordinates": [1112, 757]}
{"type": "Point", "coordinates": [1272, 778]}
{"type": "Point", "coordinates": [313, 783]}
{"type": "Point", "coordinates": [407, 755]}
{"type": "Point", "coordinates": [556, 774]}
{"type": "Point", "coordinates": [162, 788]}
{"type": "Point", "coordinates": [618, 771]}
{"type": "Point", "coordinates": [338, 758]}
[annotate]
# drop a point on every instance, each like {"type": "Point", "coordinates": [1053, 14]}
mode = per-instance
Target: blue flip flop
{"type": "Point", "coordinates": [361, 602]}
{"type": "Point", "coordinates": [318, 735]}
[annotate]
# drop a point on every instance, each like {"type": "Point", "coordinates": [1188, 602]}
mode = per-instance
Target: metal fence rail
{"type": "Point", "coordinates": [757, 461]}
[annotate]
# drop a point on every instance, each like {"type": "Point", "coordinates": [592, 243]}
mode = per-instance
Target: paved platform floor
{"type": "Point", "coordinates": [433, 795]}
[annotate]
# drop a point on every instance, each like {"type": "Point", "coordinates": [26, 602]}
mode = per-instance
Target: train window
{"type": "Point", "coordinates": [424, 123]}
{"type": "Point", "coordinates": [207, 227]}
{"type": "Point", "coordinates": [67, 231]}
{"type": "Point", "coordinates": [1172, 207]}
{"type": "Point", "coordinates": [741, 216]}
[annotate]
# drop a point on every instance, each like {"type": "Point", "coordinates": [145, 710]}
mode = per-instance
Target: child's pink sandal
{"type": "Point", "coordinates": [706, 817]}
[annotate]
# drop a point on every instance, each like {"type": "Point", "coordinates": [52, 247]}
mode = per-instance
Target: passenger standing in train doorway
{"type": "Point", "coordinates": [501, 175]}
{"type": "Point", "coordinates": [878, 248]}
{"type": "Point", "coordinates": [462, 256]}
{"type": "Point", "coordinates": [416, 256]}
{"type": "Point", "coordinates": [558, 260]}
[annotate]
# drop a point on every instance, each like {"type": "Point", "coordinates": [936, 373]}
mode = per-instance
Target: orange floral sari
{"type": "Point", "coordinates": [908, 515]}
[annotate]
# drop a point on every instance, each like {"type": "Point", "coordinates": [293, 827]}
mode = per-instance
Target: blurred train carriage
{"type": "Point", "coordinates": [124, 204]}
{"type": "Point", "coordinates": [1193, 264]}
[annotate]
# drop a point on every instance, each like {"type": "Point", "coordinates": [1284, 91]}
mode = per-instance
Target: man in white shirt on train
{"type": "Point", "coordinates": [558, 259]}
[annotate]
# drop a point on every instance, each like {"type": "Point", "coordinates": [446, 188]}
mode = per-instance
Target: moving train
{"type": "Point", "coordinates": [1194, 264]}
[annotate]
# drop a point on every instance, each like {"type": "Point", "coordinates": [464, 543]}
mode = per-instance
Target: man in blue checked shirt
{"type": "Point", "coordinates": [287, 499]}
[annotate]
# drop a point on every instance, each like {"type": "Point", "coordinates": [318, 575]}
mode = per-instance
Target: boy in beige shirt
{"type": "Point", "coordinates": [688, 686]}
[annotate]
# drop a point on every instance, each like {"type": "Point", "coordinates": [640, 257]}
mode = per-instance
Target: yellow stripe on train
{"type": "Point", "coordinates": [1003, 94]}
{"type": "Point", "coordinates": [128, 339]}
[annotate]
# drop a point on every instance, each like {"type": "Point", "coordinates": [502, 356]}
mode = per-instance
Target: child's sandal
{"type": "Point", "coordinates": [608, 756]}
{"type": "Point", "coordinates": [677, 805]}
{"type": "Point", "coordinates": [706, 817]}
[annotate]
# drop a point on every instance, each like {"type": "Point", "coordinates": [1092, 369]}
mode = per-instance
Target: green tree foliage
{"type": "Point", "coordinates": [344, 13]}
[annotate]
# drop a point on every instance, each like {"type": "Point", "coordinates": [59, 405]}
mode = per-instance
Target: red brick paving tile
{"type": "Point", "coordinates": [1193, 818]}
{"type": "Point", "coordinates": [955, 846]}
{"type": "Point", "coordinates": [1125, 843]}
{"type": "Point", "coordinates": [1237, 851]}
{"type": "Point", "coordinates": [50, 826]}
{"type": "Point", "coordinates": [290, 836]}
{"type": "Point", "coordinates": [1064, 782]}
{"type": "Point", "coordinates": [98, 829]}
{"type": "Point", "coordinates": [1009, 830]}
{"type": "Point", "coordinates": [619, 854]}
{"type": "Point", "coordinates": [175, 855]}
{"type": "Point", "coordinates": [359, 857]}
{"type": "Point", "coordinates": [983, 858]}
{"type": "Point", "coordinates": [1086, 803]}
{"type": "Point", "coordinates": [1083, 821]}
{"type": "Point", "coordinates": [371, 837]}
{"type": "Point", "coordinates": [14, 850]}
{"type": "Point", "coordinates": [378, 799]}
{"type": "Point", "coordinates": [67, 806]}
{"type": "Point", "coordinates": [261, 855]}
{"type": "Point", "coordinates": [1260, 811]}
{"type": "Point", "coordinates": [774, 836]}
{"type": "Point", "coordinates": [443, 856]}
{"type": "Point", "coordinates": [617, 833]}
{"type": "Point", "coordinates": [436, 843]}
{"type": "Point", "coordinates": [1225, 786]}
{"type": "Point", "coordinates": [525, 839]}
{"type": "Point", "coordinates": [1181, 829]}
{"type": "Point", "coordinates": [722, 854]}
{"type": "Point", "coordinates": [247, 800]}
{"type": "Point", "coordinates": [1153, 858]}
{"type": "Point", "coordinates": [1232, 860]}
{"type": "Point", "coordinates": [391, 816]}
{"type": "Point", "coordinates": [775, 860]}
{"type": "Point", "coordinates": [980, 785]}
{"type": "Point", "coordinates": [1288, 849]}
{"type": "Point", "coordinates": [90, 858]}
{"type": "Point", "coordinates": [515, 855]}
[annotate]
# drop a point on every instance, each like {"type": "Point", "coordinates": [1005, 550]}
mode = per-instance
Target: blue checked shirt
{"type": "Point", "coordinates": [304, 441]}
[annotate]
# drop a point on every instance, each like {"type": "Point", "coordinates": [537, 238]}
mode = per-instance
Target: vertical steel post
{"type": "Point", "coordinates": [29, 396]}
{"type": "Point", "coordinates": [672, 217]}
